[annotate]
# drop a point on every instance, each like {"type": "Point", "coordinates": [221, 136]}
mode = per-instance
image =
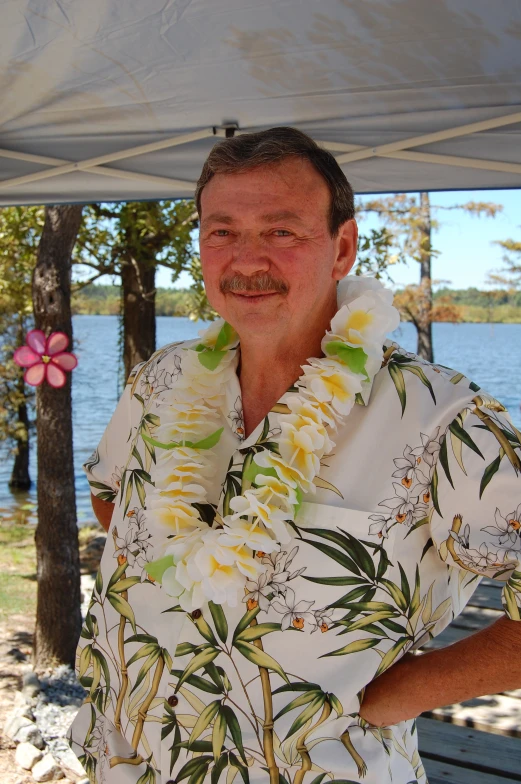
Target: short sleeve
{"type": "Point", "coordinates": [476, 497]}
{"type": "Point", "coordinates": [105, 466]}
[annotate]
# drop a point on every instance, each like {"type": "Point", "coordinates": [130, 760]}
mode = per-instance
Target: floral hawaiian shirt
{"type": "Point", "coordinates": [420, 498]}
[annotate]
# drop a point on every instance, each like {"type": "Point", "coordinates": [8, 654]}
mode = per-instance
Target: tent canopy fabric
{"type": "Point", "coordinates": [122, 99]}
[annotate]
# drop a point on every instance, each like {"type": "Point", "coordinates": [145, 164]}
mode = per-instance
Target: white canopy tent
{"type": "Point", "coordinates": [122, 99]}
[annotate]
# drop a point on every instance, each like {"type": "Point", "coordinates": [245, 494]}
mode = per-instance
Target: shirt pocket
{"type": "Point", "coordinates": [326, 585]}
{"type": "Point", "coordinates": [341, 553]}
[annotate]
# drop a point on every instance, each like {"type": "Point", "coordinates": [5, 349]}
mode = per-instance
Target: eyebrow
{"type": "Point", "coordinates": [270, 217]}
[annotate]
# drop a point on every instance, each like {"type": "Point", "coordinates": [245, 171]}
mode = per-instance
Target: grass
{"type": "Point", "coordinates": [18, 567]}
{"type": "Point", "coordinates": [17, 570]}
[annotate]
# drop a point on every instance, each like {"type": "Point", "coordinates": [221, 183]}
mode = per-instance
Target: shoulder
{"type": "Point", "coordinates": [160, 372]}
{"type": "Point", "coordinates": [421, 391]}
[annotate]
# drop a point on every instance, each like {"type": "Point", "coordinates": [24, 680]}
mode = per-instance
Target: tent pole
{"type": "Point", "coordinates": [455, 160]}
{"type": "Point", "coordinates": [436, 159]}
{"type": "Point", "coordinates": [103, 170]}
{"type": "Point", "coordinates": [430, 138]}
{"type": "Point", "coordinates": [111, 157]}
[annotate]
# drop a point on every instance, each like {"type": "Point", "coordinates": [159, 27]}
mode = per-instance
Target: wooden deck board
{"type": "Point", "coordinates": [495, 713]}
{"type": "Point", "coordinates": [487, 595]}
{"type": "Point", "coordinates": [444, 773]}
{"type": "Point", "coordinates": [470, 749]}
{"type": "Point", "coordinates": [477, 741]}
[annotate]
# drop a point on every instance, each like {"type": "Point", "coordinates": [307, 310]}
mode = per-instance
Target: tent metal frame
{"type": "Point", "coordinates": [348, 154]}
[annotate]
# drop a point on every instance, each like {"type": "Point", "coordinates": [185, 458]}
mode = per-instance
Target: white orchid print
{"type": "Point", "coordinates": [406, 467]}
{"type": "Point", "coordinates": [507, 529]}
{"type": "Point", "coordinates": [323, 620]}
{"type": "Point", "coordinates": [381, 525]}
{"type": "Point", "coordinates": [134, 546]}
{"type": "Point", "coordinates": [155, 381]}
{"type": "Point", "coordinates": [403, 506]}
{"type": "Point", "coordinates": [482, 558]}
{"type": "Point", "coordinates": [115, 479]}
{"type": "Point", "coordinates": [236, 417]}
{"type": "Point", "coordinates": [429, 450]}
{"type": "Point", "coordinates": [257, 592]}
{"type": "Point", "coordinates": [294, 613]}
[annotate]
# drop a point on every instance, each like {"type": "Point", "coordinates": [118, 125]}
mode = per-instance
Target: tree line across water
{"type": "Point", "coordinates": [50, 257]}
{"type": "Point", "coordinates": [469, 305]}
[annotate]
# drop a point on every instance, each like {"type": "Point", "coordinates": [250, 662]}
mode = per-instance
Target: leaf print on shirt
{"type": "Point", "coordinates": [208, 734]}
{"type": "Point", "coordinates": [508, 439]}
{"type": "Point", "coordinates": [397, 363]}
{"type": "Point", "coordinates": [397, 614]}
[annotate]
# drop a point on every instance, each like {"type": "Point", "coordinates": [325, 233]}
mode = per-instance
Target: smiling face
{"type": "Point", "coordinates": [269, 262]}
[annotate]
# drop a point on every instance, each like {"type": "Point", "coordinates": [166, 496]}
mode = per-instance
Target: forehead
{"type": "Point", "coordinates": [292, 185]}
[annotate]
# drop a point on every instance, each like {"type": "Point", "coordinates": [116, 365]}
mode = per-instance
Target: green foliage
{"type": "Point", "coordinates": [20, 231]}
{"type": "Point", "coordinates": [153, 233]}
{"type": "Point", "coordinates": [510, 275]}
{"type": "Point", "coordinates": [376, 253]}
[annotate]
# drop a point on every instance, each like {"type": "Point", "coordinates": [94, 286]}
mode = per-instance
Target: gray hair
{"type": "Point", "coordinates": [263, 148]}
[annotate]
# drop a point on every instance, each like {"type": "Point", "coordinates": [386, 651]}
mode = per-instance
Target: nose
{"type": "Point", "coordinates": [249, 257]}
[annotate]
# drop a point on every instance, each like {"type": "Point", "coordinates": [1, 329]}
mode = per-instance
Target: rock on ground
{"type": "Point", "coordinates": [27, 755]}
{"type": "Point", "coordinates": [47, 769]}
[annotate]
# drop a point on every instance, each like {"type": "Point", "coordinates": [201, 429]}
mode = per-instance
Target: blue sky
{"type": "Point", "coordinates": [467, 252]}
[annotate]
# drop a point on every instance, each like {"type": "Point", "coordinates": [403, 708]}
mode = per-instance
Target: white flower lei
{"type": "Point", "coordinates": [201, 562]}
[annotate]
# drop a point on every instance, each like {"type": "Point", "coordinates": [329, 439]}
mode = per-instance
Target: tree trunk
{"type": "Point", "coordinates": [424, 326]}
{"type": "Point", "coordinates": [20, 478]}
{"type": "Point", "coordinates": [58, 613]}
{"type": "Point", "coordinates": [139, 311]}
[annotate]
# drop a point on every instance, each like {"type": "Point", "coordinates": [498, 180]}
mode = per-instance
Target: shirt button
{"type": "Point", "coordinates": [172, 701]}
{"type": "Point", "coordinates": [196, 614]}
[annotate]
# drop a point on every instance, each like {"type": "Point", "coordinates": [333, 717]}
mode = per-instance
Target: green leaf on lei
{"type": "Point", "coordinates": [210, 358]}
{"type": "Point", "coordinates": [252, 471]}
{"type": "Point", "coordinates": [226, 336]}
{"type": "Point", "coordinates": [208, 442]}
{"type": "Point", "coordinates": [157, 568]}
{"type": "Point", "coordinates": [354, 358]}
{"type": "Point", "coordinates": [205, 443]}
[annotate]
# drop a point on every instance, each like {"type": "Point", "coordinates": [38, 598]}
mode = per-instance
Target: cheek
{"type": "Point", "coordinates": [213, 264]}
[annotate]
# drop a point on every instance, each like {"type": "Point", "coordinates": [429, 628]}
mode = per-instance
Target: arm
{"type": "Point", "coordinates": [474, 524]}
{"type": "Point", "coordinates": [103, 510]}
{"type": "Point", "coordinates": [486, 662]}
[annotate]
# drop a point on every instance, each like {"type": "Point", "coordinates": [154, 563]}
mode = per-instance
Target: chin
{"type": "Point", "coordinates": [256, 324]}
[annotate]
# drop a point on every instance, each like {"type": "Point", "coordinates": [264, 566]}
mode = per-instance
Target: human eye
{"type": "Point", "coordinates": [221, 232]}
{"type": "Point", "coordinates": [282, 233]}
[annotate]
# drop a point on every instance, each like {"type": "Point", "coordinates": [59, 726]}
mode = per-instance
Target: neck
{"type": "Point", "coordinates": [268, 367]}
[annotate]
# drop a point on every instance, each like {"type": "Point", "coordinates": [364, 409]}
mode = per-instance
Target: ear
{"type": "Point", "coordinates": [346, 243]}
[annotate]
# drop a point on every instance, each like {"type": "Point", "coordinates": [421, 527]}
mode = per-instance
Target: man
{"type": "Point", "coordinates": [291, 513]}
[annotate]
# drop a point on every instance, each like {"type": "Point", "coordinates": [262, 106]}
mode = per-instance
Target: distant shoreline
{"type": "Point", "coordinates": [403, 321]}
{"type": "Point", "coordinates": [472, 306]}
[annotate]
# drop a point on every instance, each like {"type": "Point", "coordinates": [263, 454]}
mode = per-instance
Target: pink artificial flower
{"type": "Point", "coordinates": [45, 358]}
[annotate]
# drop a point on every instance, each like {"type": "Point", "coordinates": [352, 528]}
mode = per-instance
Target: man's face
{"type": "Point", "coordinates": [269, 263]}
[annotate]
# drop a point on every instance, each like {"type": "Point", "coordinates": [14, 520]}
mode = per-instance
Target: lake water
{"type": "Point", "coordinates": [489, 354]}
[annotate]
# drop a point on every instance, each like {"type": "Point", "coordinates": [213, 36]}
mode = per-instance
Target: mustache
{"type": "Point", "coordinates": [261, 282]}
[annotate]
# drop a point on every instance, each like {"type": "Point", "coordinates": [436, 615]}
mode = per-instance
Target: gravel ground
{"type": "Point", "coordinates": [61, 695]}
{"type": "Point", "coordinates": [57, 704]}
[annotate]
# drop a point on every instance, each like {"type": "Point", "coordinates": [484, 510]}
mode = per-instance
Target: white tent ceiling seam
{"type": "Point", "coordinates": [348, 154]}
{"type": "Point", "coordinates": [95, 165]}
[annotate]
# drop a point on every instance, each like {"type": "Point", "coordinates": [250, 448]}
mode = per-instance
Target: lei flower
{"type": "Point", "coordinates": [201, 563]}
